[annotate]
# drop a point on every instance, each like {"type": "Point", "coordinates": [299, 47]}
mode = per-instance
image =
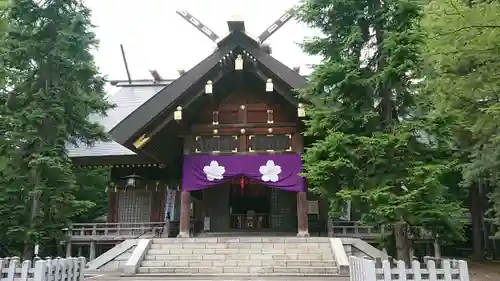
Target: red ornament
{"type": "Point", "coordinates": [242, 183]}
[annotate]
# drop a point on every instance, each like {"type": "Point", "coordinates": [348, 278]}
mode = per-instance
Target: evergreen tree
{"type": "Point", "coordinates": [52, 87]}
{"type": "Point", "coordinates": [371, 142]}
{"type": "Point", "coordinates": [462, 70]}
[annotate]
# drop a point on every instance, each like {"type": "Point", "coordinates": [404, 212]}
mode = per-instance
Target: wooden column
{"type": "Point", "coordinates": [112, 206]}
{"type": "Point", "coordinates": [303, 223]}
{"type": "Point", "coordinates": [185, 217]}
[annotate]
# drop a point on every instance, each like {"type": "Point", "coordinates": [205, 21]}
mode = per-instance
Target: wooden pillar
{"type": "Point", "coordinates": [112, 206]}
{"type": "Point", "coordinates": [153, 206]}
{"type": "Point", "coordinates": [303, 223]}
{"type": "Point", "coordinates": [80, 250]}
{"type": "Point", "coordinates": [92, 250]}
{"type": "Point", "coordinates": [185, 216]}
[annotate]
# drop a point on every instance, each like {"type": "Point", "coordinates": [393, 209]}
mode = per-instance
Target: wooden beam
{"type": "Point", "coordinates": [198, 127]}
{"type": "Point", "coordinates": [112, 160]}
{"type": "Point", "coordinates": [170, 117]}
{"type": "Point", "coordinates": [251, 131]}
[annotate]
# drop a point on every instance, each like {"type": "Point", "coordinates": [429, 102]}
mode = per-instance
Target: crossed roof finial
{"type": "Point", "coordinates": [238, 22]}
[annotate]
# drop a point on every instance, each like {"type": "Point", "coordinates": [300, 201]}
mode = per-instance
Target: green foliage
{"type": "Point", "coordinates": [52, 86]}
{"type": "Point", "coordinates": [92, 196]}
{"type": "Point", "coordinates": [373, 142]}
{"type": "Point", "coordinates": [462, 70]}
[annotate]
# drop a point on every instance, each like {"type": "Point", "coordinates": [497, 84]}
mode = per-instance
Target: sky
{"type": "Point", "coordinates": [155, 37]}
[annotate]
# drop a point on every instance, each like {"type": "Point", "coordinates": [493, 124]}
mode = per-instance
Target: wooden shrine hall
{"type": "Point", "coordinates": [215, 151]}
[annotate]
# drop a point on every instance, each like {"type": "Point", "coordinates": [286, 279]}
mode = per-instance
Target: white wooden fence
{"type": "Point", "coordinates": [366, 270]}
{"type": "Point", "coordinates": [70, 269]}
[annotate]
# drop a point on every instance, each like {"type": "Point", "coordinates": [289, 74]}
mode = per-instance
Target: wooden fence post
{"type": "Point", "coordinates": [387, 271]}
{"type": "Point", "coordinates": [11, 272]}
{"type": "Point", "coordinates": [447, 270]}
{"type": "Point", "coordinates": [415, 266]}
{"type": "Point", "coordinates": [401, 268]}
{"type": "Point", "coordinates": [25, 268]}
{"type": "Point", "coordinates": [370, 273]}
{"type": "Point", "coordinates": [83, 263]}
{"type": "Point", "coordinates": [50, 269]}
{"type": "Point", "coordinates": [464, 271]}
{"type": "Point", "coordinates": [40, 271]}
{"type": "Point", "coordinates": [354, 270]}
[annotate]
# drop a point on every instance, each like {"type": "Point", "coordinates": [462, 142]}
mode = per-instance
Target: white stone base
{"type": "Point", "coordinates": [183, 235]}
{"type": "Point", "coordinates": [303, 233]}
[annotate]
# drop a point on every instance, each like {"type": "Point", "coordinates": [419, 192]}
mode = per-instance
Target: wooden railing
{"type": "Point", "coordinates": [114, 231]}
{"type": "Point", "coordinates": [121, 231]}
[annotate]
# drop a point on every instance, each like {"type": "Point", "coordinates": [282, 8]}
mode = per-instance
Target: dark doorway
{"type": "Point", "coordinates": [250, 205]}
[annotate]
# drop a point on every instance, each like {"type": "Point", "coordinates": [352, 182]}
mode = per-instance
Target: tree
{"type": "Point", "coordinates": [371, 142]}
{"type": "Point", "coordinates": [462, 70]}
{"type": "Point", "coordinates": [92, 193]}
{"type": "Point", "coordinates": [52, 87]}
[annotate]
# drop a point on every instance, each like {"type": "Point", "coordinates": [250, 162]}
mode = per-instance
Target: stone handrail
{"type": "Point", "coordinates": [353, 229]}
{"type": "Point", "coordinates": [357, 230]}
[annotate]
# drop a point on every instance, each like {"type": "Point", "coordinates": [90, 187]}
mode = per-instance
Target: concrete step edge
{"type": "Point", "coordinates": [237, 275]}
{"type": "Point", "coordinates": [206, 267]}
{"type": "Point", "coordinates": [176, 241]}
{"type": "Point", "coordinates": [194, 260]}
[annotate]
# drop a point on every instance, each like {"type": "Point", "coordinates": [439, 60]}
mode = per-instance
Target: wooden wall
{"type": "Point", "coordinates": [242, 121]}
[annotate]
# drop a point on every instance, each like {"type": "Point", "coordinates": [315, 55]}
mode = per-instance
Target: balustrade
{"type": "Point", "coordinates": [115, 231]}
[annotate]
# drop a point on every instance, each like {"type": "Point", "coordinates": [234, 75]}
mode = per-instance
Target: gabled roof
{"type": "Point", "coordinates": [127, 99]}
{"type": "Point", "coordinates": [167, 97]}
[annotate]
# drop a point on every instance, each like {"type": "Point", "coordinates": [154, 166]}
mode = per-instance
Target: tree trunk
{"type": "Point", "coordinates": [477, 222]}
{"type": "Point", "coordinates": [437, 248]}
{"type": "Point", "coordinates": [402, 242]}
{"type": "Point", "coordinates": [28, 251]}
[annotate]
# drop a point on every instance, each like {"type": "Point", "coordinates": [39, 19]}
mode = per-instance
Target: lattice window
{"type": "Point", "coordinates": [133, 206]}
{"type": "Point", "coordinates": [209, 144]}
{"type": "Point", "coordinates": [269, 143]}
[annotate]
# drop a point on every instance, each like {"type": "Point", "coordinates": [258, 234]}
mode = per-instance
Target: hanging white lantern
{"type": "Point", "coordinates": [132, 180]}
{"type": "Point", "coordinates": [301, 111]}
{"type": "Point", "coordinates": [208, 87]}
{"type": "Point", "coordinates": [238, 63]}
{"type": "Point", "coordinates": [178, 114]}
{"type": "Point", "coordinates": [269, 85]}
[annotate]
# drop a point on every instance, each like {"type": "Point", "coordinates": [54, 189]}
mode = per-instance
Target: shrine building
{"type": "Point", "coordinates": [213, 152]}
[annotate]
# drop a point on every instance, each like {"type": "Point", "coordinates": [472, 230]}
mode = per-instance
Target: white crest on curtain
{"type": "Point", "coordinates": [214, 171]}
{"type": "Point", "coordinates": [270, 171]}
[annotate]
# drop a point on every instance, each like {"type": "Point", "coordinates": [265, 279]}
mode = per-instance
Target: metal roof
{"type": "Point", "coordinates": [128, 98]}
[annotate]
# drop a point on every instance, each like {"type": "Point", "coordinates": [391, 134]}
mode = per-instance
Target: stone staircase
{"type": "Point", "coordinates": [244, 256]}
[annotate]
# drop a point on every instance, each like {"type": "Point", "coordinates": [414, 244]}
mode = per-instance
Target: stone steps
{"type": "Point", "coordinates": [165, 277]}
{"type": "Point", "coordinates": [228, 263]}
{"type": "Point", "coordinates": [255, 256]}
{"type": "Point", "coordinates": [243, 270]}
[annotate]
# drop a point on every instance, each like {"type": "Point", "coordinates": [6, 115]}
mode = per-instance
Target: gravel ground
{"type": "Point", "coordinates": [484, 271]}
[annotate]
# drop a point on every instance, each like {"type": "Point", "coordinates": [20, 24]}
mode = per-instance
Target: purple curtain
{"type": "Point", "coordinates": [277, 171]}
